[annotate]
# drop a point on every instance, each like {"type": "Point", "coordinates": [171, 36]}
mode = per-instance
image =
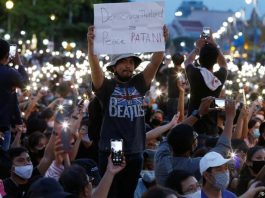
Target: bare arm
{"type": "Point", "coordinates": [33, 103]}
{"type": "Point", "coordinates": [245, 128]}
{"type": "Point", "coordinates": [230, 112]}
{"type": "Point", "coordinates": [203, 110]}
{"type": "Point", "coordinates": [158, 131]}
{"type": "Point", "coordinates": [48, 156]}
{"type": "Point", "coordinates": [156, 60]}
{"type": "Point", "coordinates": [239, 125]}
{"type": "Point", "coordinates": [103, 187]}
{"type": "Point", "coordinates": [181, 100]}
{"type": "Point", "coordinates": [96, 71]}
{"type": "Point", "coordinates": [220, 59]}
{"type": "Point", "coordinates": [191, 57]}
{"type": "Point", "coordinates": [16, 142]}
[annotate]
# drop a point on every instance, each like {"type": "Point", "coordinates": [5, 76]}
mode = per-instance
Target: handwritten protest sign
{"type": "Point", "coordinates": [129, 27]}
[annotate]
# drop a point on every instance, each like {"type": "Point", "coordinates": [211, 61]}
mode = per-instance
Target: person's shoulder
{"type": "Point", "coordinates": [228, 194]}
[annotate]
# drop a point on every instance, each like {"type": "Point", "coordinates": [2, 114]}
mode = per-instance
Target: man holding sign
{"type": "Point", "coordinates": [122, 100]}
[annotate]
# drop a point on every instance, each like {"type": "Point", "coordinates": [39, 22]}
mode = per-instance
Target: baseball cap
{"type": "Point", "coordinates": [91, 169]}
{"type": "Point", "coordinates": [116, 57]}
{"type": "Point", "coordinates": [48, 188]}
{"type": "Point", "coordinates": [212, 159]}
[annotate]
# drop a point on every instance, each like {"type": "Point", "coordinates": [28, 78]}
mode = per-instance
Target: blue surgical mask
{"type": "Point", "coordinates": [221, 180]}
{"type": "Point", "coordinates": [256, 133]}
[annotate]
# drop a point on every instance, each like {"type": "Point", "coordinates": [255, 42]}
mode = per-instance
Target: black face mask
{"type": "Point", "coordinates": [257, 166]}
{"type": "Point", "coordinates": [155, 122]}
{"type": "Point", "coordinates": [122, 79]}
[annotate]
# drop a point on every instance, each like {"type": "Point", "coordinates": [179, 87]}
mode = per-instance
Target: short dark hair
{"type": "Point", "coordinates": [252, 151]}
{"type": "Point", "coordinates": [177, 58]}
{"type": "Point", "coordinates": [175, 178]}
{"type": "Point", "coordinates": [239, 145]}
{"type": "Point", "coordinates": [208, 55]}
{"type": "Point", "coordinates": [74, 179]}
{"type": "Point", "coordinates": [46, 113]}
{"type": "Point", "coordinates": [4, 49]}
{"type": "Point", "coordinates": [17, 151]}
{"type": "Point", "coordinates": [181, 138]}
{"type": "Point", "coordinates": [34, 139]}
{"type": "Point", "coordinates": [252, 123]}
{"type": "Point", "coordinates": [158, 192]}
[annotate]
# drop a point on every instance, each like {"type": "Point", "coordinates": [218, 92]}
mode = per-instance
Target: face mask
{"type": "Point", "coordinates": [257, 166]}
{"type": "Point", "coordinates": [196, 194]}
{"type": "Point", "coordinates": [40, 152]}
{"type": "Point", "coordinates": [221, 180]}
{"type": "Point", "coordinates": [155, 122]}
{"type": "Point", "coordinates": [256, 133]}
{"type": "Point", "coordinates": [50, 124]}
{"type": "Point", "coordinates": [24, 172]}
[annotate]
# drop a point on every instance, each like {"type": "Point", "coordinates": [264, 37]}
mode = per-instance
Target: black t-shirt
{"type": "Point", "coordinates": [19, 191]}
{"type": "Point", "coordinates": [198, 88]}
{"type": "Point", "coordinates": [123, 113]}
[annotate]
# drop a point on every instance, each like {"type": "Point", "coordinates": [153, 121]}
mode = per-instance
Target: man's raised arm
{"type": "Point", "coordinates": [96, 71]}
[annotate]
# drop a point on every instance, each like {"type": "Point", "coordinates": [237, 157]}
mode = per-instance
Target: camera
{"type": "Point", "coordinates": [116, 151]}
{"type": "Point", "coordinates": [206, 32]}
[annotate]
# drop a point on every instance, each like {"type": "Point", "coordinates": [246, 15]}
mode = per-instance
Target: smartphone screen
{"type": "Point", "coordinates": [12, 50]}
{"type": "Point", "coordinates": [65, 139]}
{"type": "Point", "coordinates": [116, 151]}
{"type": "Point", "coordinates": [219, 103]}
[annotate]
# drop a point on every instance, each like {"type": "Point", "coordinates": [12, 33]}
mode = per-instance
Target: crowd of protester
{"type": "Point", "coordinates": [58, 114]}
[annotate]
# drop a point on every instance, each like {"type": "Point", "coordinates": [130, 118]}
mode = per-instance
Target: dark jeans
{"type": "Point", "coordinates": [124, 183]}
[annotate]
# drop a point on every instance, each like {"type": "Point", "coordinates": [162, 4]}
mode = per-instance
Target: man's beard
{"type": "Point", "coordinates": [122, 79]}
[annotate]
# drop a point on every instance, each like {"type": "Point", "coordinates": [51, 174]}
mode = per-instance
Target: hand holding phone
{"type": "Point", "coordinates": [116, 151]}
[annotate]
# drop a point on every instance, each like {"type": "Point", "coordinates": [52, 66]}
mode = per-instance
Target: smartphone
{"type": "Point", "coordinates": [12, 50]}
{"type": "Point", "coordinates": [116, 151]}
{"type": "Point", "coordinates": [219, 103]}
{"type": "Point", "coordinates": [206, 32]}
{"type": "Point", "coordinates": [66, 139]}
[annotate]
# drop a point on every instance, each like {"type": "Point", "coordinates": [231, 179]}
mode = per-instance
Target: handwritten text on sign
{"type": "Point", "coordinates": [129, 27]}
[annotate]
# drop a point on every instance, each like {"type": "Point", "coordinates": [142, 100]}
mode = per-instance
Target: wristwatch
{"type": "Point", "coordinates": [196, 114]}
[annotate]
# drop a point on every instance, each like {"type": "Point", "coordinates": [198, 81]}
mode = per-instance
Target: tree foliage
{"type": "Point", "coordinates": [72, 18]}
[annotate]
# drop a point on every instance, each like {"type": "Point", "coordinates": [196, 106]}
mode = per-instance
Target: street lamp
{"type": "Point", "coordinates": [9, 6]}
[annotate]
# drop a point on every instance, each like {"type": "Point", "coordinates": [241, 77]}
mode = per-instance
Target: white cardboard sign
{"type": "Point", "coordinates": [129, 27]}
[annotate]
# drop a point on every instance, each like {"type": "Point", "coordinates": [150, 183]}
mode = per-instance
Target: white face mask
{"type": "Point", "coordinates": [196, 194]}
{"type": "Point", "coordinates": [24, 172]}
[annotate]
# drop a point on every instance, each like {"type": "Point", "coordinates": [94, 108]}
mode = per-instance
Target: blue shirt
{"type": "Point", "coordinates": [225, 194]}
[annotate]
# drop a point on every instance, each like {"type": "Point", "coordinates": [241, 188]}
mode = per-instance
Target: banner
{"type": "Point", "coordinates": [129, 27]}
